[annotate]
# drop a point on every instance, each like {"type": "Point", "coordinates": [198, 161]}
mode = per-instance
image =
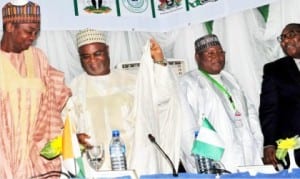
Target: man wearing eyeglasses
{"type": "Point", "coordinates": [214, 94]}
{"type": "Point", "coordinates": [279, 110]}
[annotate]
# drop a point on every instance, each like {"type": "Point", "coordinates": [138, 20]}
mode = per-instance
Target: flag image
{"type": "Point", "coordinates": [208, 143]}
{"type": "Point", "coordinates": [72, 160]}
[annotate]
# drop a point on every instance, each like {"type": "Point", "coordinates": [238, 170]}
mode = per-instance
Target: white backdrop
{"type": "Point", "coordinates": [248, 41]}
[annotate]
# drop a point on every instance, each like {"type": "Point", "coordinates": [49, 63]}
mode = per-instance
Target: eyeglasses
{"type": "Point", "coordinates": [214, 53]}
{"type": "Point", "coordinates": [288, 35]}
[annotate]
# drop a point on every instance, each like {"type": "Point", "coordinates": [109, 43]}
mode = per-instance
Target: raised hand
{"type": "Point", "coordinates": [156, 51]}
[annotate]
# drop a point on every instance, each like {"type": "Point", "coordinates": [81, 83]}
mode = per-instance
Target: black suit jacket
{"type": "Point", "coordinates": [279, 110]}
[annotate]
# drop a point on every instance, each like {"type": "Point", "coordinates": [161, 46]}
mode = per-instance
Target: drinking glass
{"type": "Point", "coordinates": [95, 156]}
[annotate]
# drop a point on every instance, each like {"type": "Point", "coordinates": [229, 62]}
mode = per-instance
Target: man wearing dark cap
{"type": "Point", "coordinates": [32, 94]}
{"type": "Point", "coordinates": [214, 94]}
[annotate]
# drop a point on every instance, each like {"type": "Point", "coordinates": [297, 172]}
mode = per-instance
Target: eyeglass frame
{"type": "Point", "coordinates": [213, 54]}
{"type": "Point", "coordinates": [289, 35]}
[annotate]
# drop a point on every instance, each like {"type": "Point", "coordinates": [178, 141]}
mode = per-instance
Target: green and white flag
{"type": "Point", "coordinates": [208, 143]}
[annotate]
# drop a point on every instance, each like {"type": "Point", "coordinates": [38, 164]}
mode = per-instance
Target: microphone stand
{"type": "Point", "coordinates": [152, 139]}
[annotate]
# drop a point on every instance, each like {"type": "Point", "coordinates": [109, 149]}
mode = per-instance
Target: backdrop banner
{"type": "Point", "coordinates": [136, 15]}
{"type": "Point", "coordinates": [159, 15]}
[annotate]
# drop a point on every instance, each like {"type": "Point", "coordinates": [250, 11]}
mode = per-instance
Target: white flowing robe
{"type": "Point", "coordinates": [243, 145]}
{"type": "Point", "coordinates": [135, 105]}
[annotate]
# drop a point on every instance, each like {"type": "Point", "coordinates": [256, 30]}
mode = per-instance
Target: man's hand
{"type": "Point", "coordinates": [83, 139]}
{"type": "Point", "coordinates": [156, 51]}
{"type": "Point", "coordinates": [270, 156]}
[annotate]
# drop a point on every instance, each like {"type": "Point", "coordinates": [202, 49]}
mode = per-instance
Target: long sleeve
{"type": "Point", "coordinates": [188, 127]}
{"type": "Point", "coordinates": [255, 126]}
{"type": "Point", "coordinates": [74, 110]}
{"type": "Point", "coordinates": [164, 80]}
{"type": "Point", "coordinates": [268, 110]}
{"type": "Point", "coordinates": [156, 105]}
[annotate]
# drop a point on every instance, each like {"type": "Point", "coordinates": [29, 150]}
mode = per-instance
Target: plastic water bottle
{"type": "Point", "coordinates": [203, 164]}
{"type": "Point", "coordinates": [117, 152]}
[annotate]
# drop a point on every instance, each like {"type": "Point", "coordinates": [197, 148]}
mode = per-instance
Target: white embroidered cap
{"type": "Point", "coordinates": [88, 36]}
{"type": "Point", "coordinates": [19, 2]}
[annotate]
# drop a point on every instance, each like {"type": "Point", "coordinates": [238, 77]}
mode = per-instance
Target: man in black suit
{"type": "Point", "coordinates": [279, 110]}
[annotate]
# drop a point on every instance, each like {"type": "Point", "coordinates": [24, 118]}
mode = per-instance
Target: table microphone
{"type": "Point", "coordinates": [152, 139]}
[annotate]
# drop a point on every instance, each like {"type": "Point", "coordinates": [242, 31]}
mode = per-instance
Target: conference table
{"type": "Point", "coordinates": [295, 173]}
{"type": "Point", "coordinates": [282, 174]}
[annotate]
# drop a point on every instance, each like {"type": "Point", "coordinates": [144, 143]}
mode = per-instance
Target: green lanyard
{"type": "Point", "coordinates": [221, 88]}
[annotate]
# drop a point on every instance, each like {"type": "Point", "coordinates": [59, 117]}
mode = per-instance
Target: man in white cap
{"type": "Point", "coordinates": [32, 95]}
{"type": "Point", "coordinates": [105, 99]}
{"type": "Point", "coordinates": [214, 94]}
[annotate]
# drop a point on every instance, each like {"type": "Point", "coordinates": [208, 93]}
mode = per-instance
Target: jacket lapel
{"type": "Point", "coordinates": [293, 70]}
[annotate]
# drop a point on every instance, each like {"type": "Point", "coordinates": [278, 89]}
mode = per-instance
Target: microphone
{"type": "Point", "coordinates": [152, 139]}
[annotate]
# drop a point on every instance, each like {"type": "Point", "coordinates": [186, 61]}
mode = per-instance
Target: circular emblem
{"type": "Point", "coordinates": [136, 6]}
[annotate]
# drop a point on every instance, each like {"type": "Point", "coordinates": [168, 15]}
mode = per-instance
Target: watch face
{"type": "Point", "coordinates": [163, 62]}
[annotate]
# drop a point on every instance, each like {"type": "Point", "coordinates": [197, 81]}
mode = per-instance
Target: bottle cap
{"type": "Point", "coordinates": [115, 133]}
{"type": "Point", "coordinates": [196, 134]}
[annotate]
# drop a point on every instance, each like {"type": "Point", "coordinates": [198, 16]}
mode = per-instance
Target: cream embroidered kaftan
{"type": "Point", "coordinates": [136, 106]}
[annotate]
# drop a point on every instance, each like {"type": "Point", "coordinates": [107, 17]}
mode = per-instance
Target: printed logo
{"type": "Point", "coordinates": [168, 4]}
{"type": "Point", "coordinates": [200, 2]}
{"type": "Point", "coordinates": [96, 7]}
{"type": "Point", "coordinates": [206, 1]}
{"type": "Point", "coordinates": [136, 6]}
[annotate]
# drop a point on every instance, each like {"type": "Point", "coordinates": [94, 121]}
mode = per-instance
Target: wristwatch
{"type": "Point", "coordinates": [163, 62]}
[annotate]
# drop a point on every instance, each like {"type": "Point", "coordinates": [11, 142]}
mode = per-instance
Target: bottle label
{"type": "Point", "coordinates": [117, 157]}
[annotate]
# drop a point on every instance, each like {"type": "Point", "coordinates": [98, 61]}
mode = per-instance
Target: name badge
{"type": "Point", "coordinates": [238, 119]}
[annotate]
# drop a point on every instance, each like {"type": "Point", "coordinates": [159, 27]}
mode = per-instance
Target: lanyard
{"type": "Point", "coordinates": [220, 88]}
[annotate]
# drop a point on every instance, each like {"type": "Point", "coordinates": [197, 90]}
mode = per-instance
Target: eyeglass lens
{"type": "Point", "coordinates": [215, 53]}
{"type": "Point", "coordinates": [288, 35]}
